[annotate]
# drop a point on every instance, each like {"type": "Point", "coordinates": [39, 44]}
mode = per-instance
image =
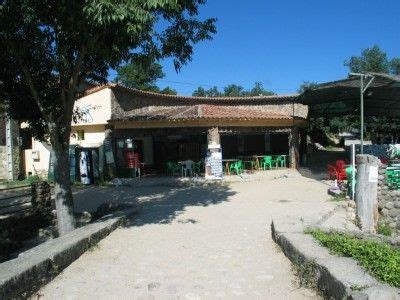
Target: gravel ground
{"type": "Point", "coordinates": [199, 242]}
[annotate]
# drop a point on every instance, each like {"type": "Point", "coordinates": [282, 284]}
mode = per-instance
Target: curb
{"type": "Point", "coordinates": [22, 276]}
{"type": "Point", "coordinates": [336, 277]}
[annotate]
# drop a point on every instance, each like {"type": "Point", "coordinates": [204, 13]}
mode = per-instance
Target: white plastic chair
{"type": "Point", "coordinates": [187, 167]}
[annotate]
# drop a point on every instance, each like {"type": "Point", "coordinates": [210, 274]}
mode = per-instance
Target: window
{"type": "Point", "coordinates": [81, 135]}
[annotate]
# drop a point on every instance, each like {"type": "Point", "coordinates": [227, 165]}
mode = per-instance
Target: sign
{"type": "Point", "coordinates": [214, 163]}
{"type": "Point", "coordinates": [373, 174]}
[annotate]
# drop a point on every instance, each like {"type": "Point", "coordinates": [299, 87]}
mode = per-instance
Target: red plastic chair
{"type": "Point", "coordinates": [340, 170]}
{"type": "Point", "coordinates": [331, 172]}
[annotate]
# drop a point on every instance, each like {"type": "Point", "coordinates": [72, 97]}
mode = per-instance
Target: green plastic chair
{"type": "Point", "coordinates": [350, 179]}
{"type": "Point", "coordinates": [280, 161]}
{"type": "Point", "coordinates": [393, 179]}
{"type": "Point", "coordinates": [267, 161]}
{"type": "Point", "coordinates": [237, 167]}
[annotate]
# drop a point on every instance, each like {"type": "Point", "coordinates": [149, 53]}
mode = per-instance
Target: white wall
{"type": "Point", "coordinates": [96, 108]}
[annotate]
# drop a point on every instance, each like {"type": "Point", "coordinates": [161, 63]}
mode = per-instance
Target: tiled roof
{"type": "Point", "coordinates": [205, 111]}
{"type": "Point", "coordinates": [188, 98]}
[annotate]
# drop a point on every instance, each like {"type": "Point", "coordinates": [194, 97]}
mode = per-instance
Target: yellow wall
{"type": "Point", "coordinates": [39, 166]}
{"type": "Point", "coordinates": [96, 109]}
{"type": "Point", "coordinates": [93, 135]}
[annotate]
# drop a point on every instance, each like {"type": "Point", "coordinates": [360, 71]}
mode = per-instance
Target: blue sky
{"type": "Point", "coordinates": [283, 43]}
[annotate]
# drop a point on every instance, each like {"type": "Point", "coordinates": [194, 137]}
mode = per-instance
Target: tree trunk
{"type": "Point", "coordinates": [62, 185]}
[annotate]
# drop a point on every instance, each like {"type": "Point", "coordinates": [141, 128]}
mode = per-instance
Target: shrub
{"type": "Point", "coordinates": [379, 259]}
{"type": "Point", "coordinates": [15, 230]}
{"type": "Point", "coordinates": [384, 229]}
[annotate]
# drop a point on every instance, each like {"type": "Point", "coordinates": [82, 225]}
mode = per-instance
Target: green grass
{"type": "Point", "coordinates": [379, 259]}
{"type": "Point", "coordinates": [385, 229]}
{"type": "Point", "coordinates": [27, 181]}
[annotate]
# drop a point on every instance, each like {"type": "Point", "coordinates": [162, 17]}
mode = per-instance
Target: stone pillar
{"type": "Point", "coordinates": [213, 160]}
{"type": "Point", "coordinates": [303, 147]}
{"type": "Point", "coordinates": [294, 148]}
{"type": "Point", "coordinates": [367, 192]}
{"type": "Point", "coordinates": [110, 166]}
{"type": "Point", "coordinates": [213, 137]}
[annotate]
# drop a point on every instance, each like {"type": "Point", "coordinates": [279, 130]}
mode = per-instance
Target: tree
{"type": "Point", "coordinates": [199, 92]}
{"type": "Point", "coordinates": [50, 49]}
{"type": "Point", "coordinates": [168, 91]}
{"type": "Point", "coordinates": [258, 90]}
{"type": "Point", "coordinates": [213, 92]}
{"type": "Point", "coordinates": [306, 85]}
{"type": "Point", "coordinates": [395, 66]}
{"type": "Point", "coordinates": [371, 60]}
{"type": "Point", "coordinates": [233, 90]}
{"type": "Point", "coordinates": [140, 74]}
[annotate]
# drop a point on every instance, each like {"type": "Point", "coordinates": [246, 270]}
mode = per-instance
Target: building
{"type": "Point", "coordinates": [115, 120]}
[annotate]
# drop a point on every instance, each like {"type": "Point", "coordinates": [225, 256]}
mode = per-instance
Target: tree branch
{"type": "Point", "coordinates": [32, 87]}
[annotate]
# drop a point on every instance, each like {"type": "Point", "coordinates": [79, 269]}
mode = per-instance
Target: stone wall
{"type": "Point", "coordinates": [388, 203]}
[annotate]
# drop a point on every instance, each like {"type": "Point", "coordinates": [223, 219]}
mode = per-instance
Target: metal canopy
{"type": "Point", "coordinates": [381, 98]}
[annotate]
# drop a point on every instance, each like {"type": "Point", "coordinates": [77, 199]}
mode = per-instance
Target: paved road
{"type": "Point", "coordinates": [198, 243]}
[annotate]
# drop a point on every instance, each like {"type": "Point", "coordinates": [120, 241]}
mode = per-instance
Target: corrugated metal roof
{"type": "Point", "coordinates": [343, 97]}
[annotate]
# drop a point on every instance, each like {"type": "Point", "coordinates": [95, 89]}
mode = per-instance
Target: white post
{"type": "Point", "coordinates": [10, 149]}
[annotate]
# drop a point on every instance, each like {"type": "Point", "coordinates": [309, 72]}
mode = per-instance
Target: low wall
{"type": "Point", "coordinates": [22, 276]}
{"type": "Point", "coordinates": [388, 203]}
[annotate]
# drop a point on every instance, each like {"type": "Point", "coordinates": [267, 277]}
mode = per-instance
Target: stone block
{"type": "Point", "coordinates": [389, 205]}
{"type": "Point", "coordinates": [394, 212]}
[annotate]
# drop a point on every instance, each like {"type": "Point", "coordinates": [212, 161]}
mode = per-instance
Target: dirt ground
{"type": "Point", "coordinates": [197, 242]}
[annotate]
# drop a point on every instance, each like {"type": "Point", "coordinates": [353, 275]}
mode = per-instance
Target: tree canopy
{"type": "Point", "coordinates": [373, 60]}
{"type": "Point", "coordinates": [142, 74]}
{"type": "Point", "coordinates": [49, 50]}
{"type": "Point", "coordinates": [233, 90]}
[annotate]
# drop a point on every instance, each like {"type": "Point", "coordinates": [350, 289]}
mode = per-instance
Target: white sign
{"type": "Point", "coordinates": [214, 164]}
{"type": "Point", "coordinates": [373, 174]}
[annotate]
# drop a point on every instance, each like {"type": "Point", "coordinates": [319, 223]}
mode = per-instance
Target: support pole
{"type": "Point", "coordinates": [362, 91]}
{"type": "Point", "coordinates": [353, 171]}
{"type": "Point", "coordinates": [294, 148]}
{"type": "Point", "coordinates": [362, 115]}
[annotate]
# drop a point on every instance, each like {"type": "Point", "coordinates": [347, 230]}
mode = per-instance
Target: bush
{"type": "Point", "coordinates": [384, 229]}
{"type": "Point", "coordinates": [15, 230]}
{"type": "Point", "coordinates": [379, 259]}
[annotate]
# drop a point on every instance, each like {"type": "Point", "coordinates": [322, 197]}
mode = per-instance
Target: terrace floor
{"type": "Point", "coordinates": [198, 241]}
